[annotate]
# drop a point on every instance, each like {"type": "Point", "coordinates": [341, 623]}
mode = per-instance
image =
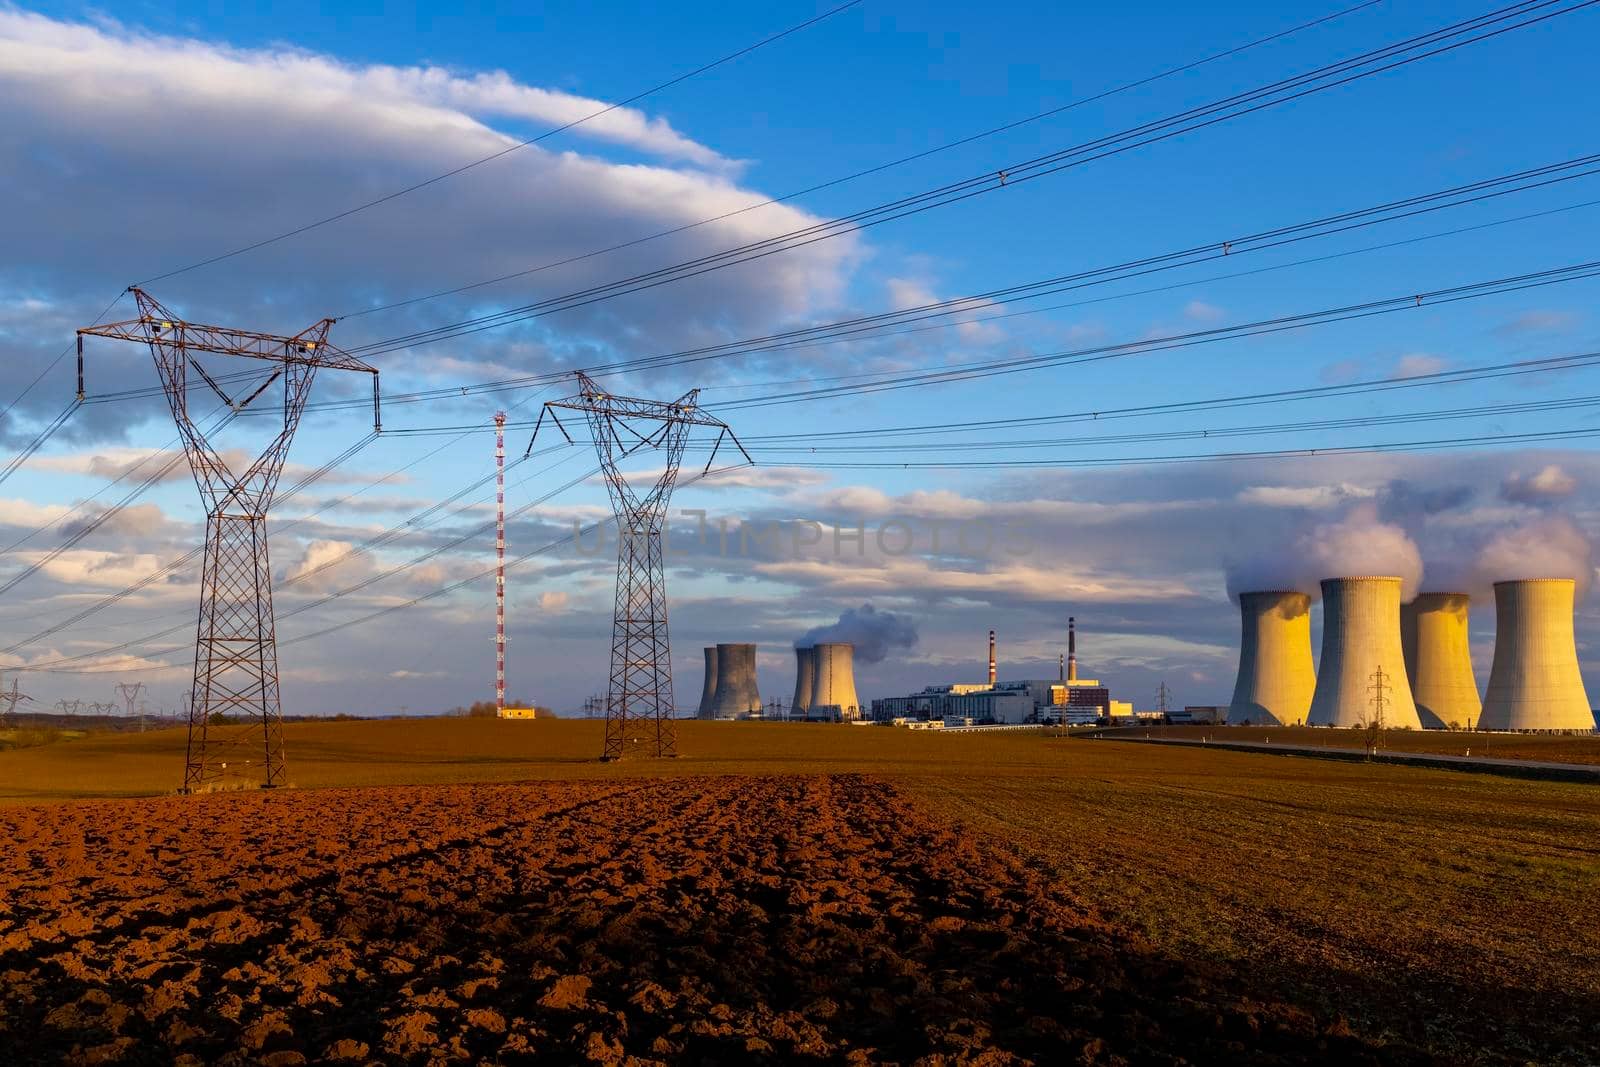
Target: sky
{"type": "Point", "coordinates": [1126, 485]}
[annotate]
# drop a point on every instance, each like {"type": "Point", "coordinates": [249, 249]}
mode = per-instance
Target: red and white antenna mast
{"type": "Point", "coordinates": [500, 564]}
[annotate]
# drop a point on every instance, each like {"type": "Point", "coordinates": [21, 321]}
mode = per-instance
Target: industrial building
{"type": "Point", "coordinates": [1361, 678]}
{"type": "Point", "coordinates": [1276, 679]}
{"type": "Point", "coordinates": [709, 689]}
{"type": "Point", "coordinates": [805, 667]}
{"type": "Point", "coordinates": [1067, 699]}
{"type": "Point", "coordinates": [735, 695]}
{"type": "Point", "coordinates": [833, 683]}
{"type": "Point", "coordinates": [1433, 634]}
{"type": "Point", "coordinates": [1534, 682]}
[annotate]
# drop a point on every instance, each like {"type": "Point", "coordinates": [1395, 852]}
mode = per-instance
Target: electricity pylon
{"type": "Point", "coordinates": [129, 692]}
{"type": "Point", "coordinates": [236, 647]}
{"type": "Point", "coordinates": [9, 702]}
{"type": "Point", "coordinates": [639, 705]}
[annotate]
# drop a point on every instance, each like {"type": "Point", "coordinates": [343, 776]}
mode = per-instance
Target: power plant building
{"type": "Point", "coordinates": [805, 668]}
{"type": "Point", "coordinates": [735, 695]}
{"type": "Point", "coordinates": [833, 683]}
{"type": "Point", "coordinates": [1276, 677]}
{"type": "Point", "coordinates": [1535, 683]}
{"type": "Point", "coordinates": [1433, 633]}
{"type": "Point", "coordinates": [709, 690]}
{"type": "Point", "coordinates": [1361, 678]}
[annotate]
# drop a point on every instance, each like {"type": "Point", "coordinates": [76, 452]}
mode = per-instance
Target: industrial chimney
{"type": "Point", "coordinates": [833, 683]}
{"type": "Point", "coordinates": [736, 695]}
{"type": "Point", "coordinates": [1360, 636]}
{"type": "Point", "coordinates": [1433, 631]}
{"type": "Point", "coordinates": [992, 675]}
{"type": "Point", "coordinates": [1534, 683]}
{"type": "Point", "coordinates": [805, 660]}
{"type": "Point", "coordinates": [1276, 678]}
{"type": "Point", "coordinates": [709, 689]}
{"type": "Point", "coordinates": [1072, 649]}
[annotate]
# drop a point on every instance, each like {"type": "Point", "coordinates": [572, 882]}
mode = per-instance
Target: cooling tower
{"type": "Point", "coordinates": [736, 695]}
{"type": "Point", "coordinates": [833, 683]}
{"type": "Point", "coordinates": [805, 667]}
{"type": "Point", "coordinates": [1360, 636]}
{"type": "Point", "coordinates": [1433, 632]}
{"type": "Point", "coordinates": [709, 690]}
{"type": "Point", "coordinates": [1276, 678]}
{"type": "Point", "coordinates": [1534, 683]}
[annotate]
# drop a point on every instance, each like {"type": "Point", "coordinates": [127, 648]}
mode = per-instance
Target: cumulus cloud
{"type": "Point", "coordinates": [1200, 311]}
{"type": "Point", "coordinates": [1417, 365]}
{"type": "Point", "coordinates": [222, 146]}
{"type": "Point", "coordinates": [1546, 485]}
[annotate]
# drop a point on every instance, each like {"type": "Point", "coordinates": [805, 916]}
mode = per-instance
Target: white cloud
{"type": "Point", "coordinates": [1200, 311]}
{"type": "Point", "coordinates": [1417, 364]}
{"type": "Point", "coordinates": [1546, 485]}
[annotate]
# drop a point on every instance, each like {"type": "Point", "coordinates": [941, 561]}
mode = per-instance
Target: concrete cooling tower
{"type": "Point", "coordinates": [1360, 635]}
{"type": "Point", "coordinates": [736, 695]}
{"type": "Point", "coordinates": [805, 660]}
{"type": "Point", "coordinates": [1276, 678]}
{"type": "Point", "coordinates": [833, 683]}
{"type": "Point", "coordinates": [708, 691]}
{"type": "Point", "coordinates": [1535, 683]}
{"type": "Point", "coordinates": [1433, 632]}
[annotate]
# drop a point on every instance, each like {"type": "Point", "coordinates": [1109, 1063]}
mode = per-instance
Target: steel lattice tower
{"type": "Point", "coordinates": [236, 647]}
{"type": "Point", "coordinates": [500, 564]}
{"type": "Point", "coordinates": [639, 703]}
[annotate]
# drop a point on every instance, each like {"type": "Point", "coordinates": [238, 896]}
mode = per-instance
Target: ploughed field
{"type": "Point", "coordinates": [708, 920]}
{"type": "Point", "coordinates": [791, 892]}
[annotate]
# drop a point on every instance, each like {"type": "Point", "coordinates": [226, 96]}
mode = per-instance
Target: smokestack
{"type": "Point", "coordinates": [1072, 649]}
{"type": "Point", "coordinates": [991, 660]}
{"type": "Point", "coordinates": [1360, 636]}
{"type": "Point", "coordinates": [709, 689]}
{"type": "Point", "coordinates": [736, 695]}
{"type": "Point", "coordinates": [805, 667]}
{"type": "Point", "coordinates": [1061, 667]}
{"type": "Point", "coordinates": [1535, 683]}
{"type": "Point", "coordinates": [833, 682]}
{"type": "Point", "coordinates": [1433, 632]}
{"type": "Point", "coordinates": [1276, 678]}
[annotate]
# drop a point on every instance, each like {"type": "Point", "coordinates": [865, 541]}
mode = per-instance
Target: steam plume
{"type": "Point", "coordinates": [1358, 544]}
{"type": "Point", "coordinates": [872, 632]}
{"type": "Point", "coordinates": [1548, 547]}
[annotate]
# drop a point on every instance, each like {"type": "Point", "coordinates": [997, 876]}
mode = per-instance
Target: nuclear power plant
{"type": "Point", "coordinates": [1276, 677]}
{"type": "Point", "coordinates": [1534, 683]}
{"type": "Point", "coordinates": [833, 683]}
{"type": "Point", "coordinates": [735, 695]}
{"type": "Point", "coordinates": [805, 666]}
{"type": "Point", "coordinates": [709, 690]}
{"type": "Point", "coordinates": [1433, 634]}
{"type": "Point", "coordinates": [1361, 678]}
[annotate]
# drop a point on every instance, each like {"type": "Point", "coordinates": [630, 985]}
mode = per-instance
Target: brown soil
{"type": "Point", "coordinates": [731, 920]}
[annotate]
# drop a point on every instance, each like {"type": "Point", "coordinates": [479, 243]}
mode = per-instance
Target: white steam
{"type": "Point", "coordinates": [1359, 544]}
{"type": "Point", "coordinates": [1551, 546]}
{"type": "Point", "coordinates": [872, 632]}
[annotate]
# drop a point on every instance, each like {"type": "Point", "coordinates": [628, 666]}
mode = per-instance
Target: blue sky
{"type": "Point", "coordinates": [155, 135]}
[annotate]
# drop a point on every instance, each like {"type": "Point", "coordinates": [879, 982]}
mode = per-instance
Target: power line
{"type": "Point", "coordinates": [1345, 313]}
{"type": "Point", "coordinates": [882, 324]}
{"type": "Point", "coordinates": [1240, 104]}
{"type": "Point", "coordinates": [877, 168]}
{"type": "Point", "coordinates": [287, 234]}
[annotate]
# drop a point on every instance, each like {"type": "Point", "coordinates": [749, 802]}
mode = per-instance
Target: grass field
{"type": "Point", "coordinates": [1432, 914]}
{"type": "Point", "coordinates": [1583, 748]}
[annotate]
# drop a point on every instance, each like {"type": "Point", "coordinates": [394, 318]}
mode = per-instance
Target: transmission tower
{"type": "Point", "coordinates": [9, 702]}
{"type": "Point", "coordinates": [236, 647]}
{"type": "Point", "coordinates": [1380, 699]}
{"type": "Point", "coordinates": [68, 707]}
{"type": "Point", "coordinates": [129, 692]}
{"type": "Point", "coordinates": [500, 564]}
{"type": "Point", "coordinates": [639, 706]}
{"type": "Point", "coordinates": [1164, 700]}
